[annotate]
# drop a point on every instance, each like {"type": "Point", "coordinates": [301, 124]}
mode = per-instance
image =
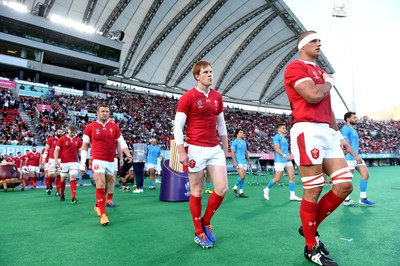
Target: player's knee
{"type": "Point", "coordinates": [221, 189]}
{"type": "Point", "coordinates": [64, 175]}
{"type": "Point", "coordinates": [73, 172]}
{"type": "Point", "coordinates": [197, 192]}
{"type": "Point", "coordinates": [343, 189]}
{"type": "Point", "coordinates": [365, 176]}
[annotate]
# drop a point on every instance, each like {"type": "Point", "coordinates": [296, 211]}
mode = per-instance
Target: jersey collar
{"type": "Point", "coordinates": [308, 62]}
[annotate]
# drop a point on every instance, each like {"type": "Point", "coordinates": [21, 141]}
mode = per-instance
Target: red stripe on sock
{"type": "Point", "coordinates": [195, 209]}
{"type": "Point", "coordinates": [51, 182]}
{"type": "Point", "coordinates": [73, 188]}
{"type": "Point", "coordinates": [327, 204]}
{"type": "Point", "coordinates": [62, 186]}
{"type": "Point", "coordinates": [308, 216]}
{"type": "Point", "coordinates": [101, 199]}
{"type": "Point", "coordinates": [47, 181]}
{"type": "Point", "coordinates": [58, 183]}
{"type": "Point", "coordinates": [214, 202]}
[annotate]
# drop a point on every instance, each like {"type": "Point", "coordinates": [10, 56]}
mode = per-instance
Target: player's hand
{"type": "Point", "coordinates": [226, 153]}
{"type": "Point", "coordinates": [345, 146]}
{"type": "Point", "coordinates": [183, 158]}
{"type": "Point", "coordinates": [82, 168]}
{"type": "Point", "coordinates": [358, 159]}
{"type": "Point", "coordinates": [328, 78]}
{"type": "Point", "coordinates": [130, 158]}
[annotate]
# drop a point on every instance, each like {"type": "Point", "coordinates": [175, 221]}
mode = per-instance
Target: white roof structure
{"type": "Point", "coordinates": [249, 42]}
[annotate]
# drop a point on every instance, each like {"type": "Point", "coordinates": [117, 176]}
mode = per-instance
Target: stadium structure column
{"type": "Point", "coordinates": [37, 76]}
{"type": "Point", "coordinates": [21, 74]}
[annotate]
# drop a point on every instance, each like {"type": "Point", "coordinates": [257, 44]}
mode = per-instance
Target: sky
{"type": "Point", "coordinates": [363, 48]}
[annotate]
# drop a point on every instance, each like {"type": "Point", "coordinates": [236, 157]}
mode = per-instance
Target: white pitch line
{"type": "Point", "coordinates": [347, 239]}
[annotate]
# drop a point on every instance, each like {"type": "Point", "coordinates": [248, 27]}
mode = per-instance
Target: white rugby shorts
{"type": "Point", "coordinates": [313, 142]}
{"type": "Point", "coordinates": [200, 157]}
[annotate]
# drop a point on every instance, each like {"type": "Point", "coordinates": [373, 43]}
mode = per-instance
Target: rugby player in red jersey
{"type": "Point", "coordinates": [67, 152]}
{"type": "Point", "coordinates": [51, 167]}
{"type": "Point", "coordinates": [104, 136]}
{"type": "Point", "coordinates": [316, 143]}
{"type": "Point", "coordinates": [201, 110]}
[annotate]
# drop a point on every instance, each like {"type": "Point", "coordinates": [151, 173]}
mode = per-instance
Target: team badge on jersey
{"type": "Point", "coordinates": [315, 153]}
{"type": "Point", "coordinates": [199, 104]}
{"type": "Point", "coordinates": [316, 76]}
{"type": "Point", "coordinates": [192, 163]}
{"type": "Point", "coordinates": [216, 104]}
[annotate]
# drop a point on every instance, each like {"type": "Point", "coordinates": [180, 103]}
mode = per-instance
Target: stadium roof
{"type": "Point", "coordinates": [249, 42]}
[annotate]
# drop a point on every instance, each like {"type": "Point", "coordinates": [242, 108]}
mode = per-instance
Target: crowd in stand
{"type": "Point", "coordinates": [147, 116]}
{"type": "Point", "coordinates": [13, 129]}
{"type": "Point", "coordinates": [378, 136]}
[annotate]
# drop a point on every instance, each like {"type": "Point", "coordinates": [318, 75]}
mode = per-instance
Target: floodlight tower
{"type": "Point", "coordinates": [340, 11]}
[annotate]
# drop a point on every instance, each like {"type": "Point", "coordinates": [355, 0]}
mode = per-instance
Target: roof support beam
{"type": "Point", "coordinates": [217, 40]}
{"type": "Point", "coordinates": [185, 47]}
{"type": "Point", "coordinates": [139, 35]}
{"type": "Point", "coordinates": [89, 11]}
{"type": "Point", "coordinates": [254, 63]}
{"type": "Point", "coordinates": [164, 33]}
{"type": "Point", "coordinates": [276, 72]}
{"type": "Point", "coordinates": [242, 47]}
{"type": "Point", "coordinates": [119, 8]}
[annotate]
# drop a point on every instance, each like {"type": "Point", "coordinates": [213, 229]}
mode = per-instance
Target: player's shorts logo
{"type": "Point", "coordinates": [96, 167]}
{"type": "Point", "coordinates": [192, 163]}
{"type": "Point", "coordinates": [315, 153]}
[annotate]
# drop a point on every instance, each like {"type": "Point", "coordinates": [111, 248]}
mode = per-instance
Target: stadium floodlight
{"type": "Point", "coordinates": [117, 35]}
{"type": "Point", "coordinates": [16, 6]}
{"type": "Point", "coordinates": [339, 9]}
{"type": "Point", "coordinates": [39, 9]}
{"type": "Point", "coordinates": [72, 24]}
{"type": "Point", "coordinates": [113, 35]}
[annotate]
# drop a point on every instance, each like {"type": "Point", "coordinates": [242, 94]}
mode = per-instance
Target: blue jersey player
{"type": "Point", "coordinates": [241, 160]}
{"type": "Point", "coordinates": [354, 161]}
{"type": "Point", "coordinates": [154, 152]}
{"type": "Point", "coordinates": [282, 162]}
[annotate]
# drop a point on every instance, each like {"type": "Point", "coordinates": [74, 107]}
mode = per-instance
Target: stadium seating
{"type": "Point", "coordinates": [150, 116]}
